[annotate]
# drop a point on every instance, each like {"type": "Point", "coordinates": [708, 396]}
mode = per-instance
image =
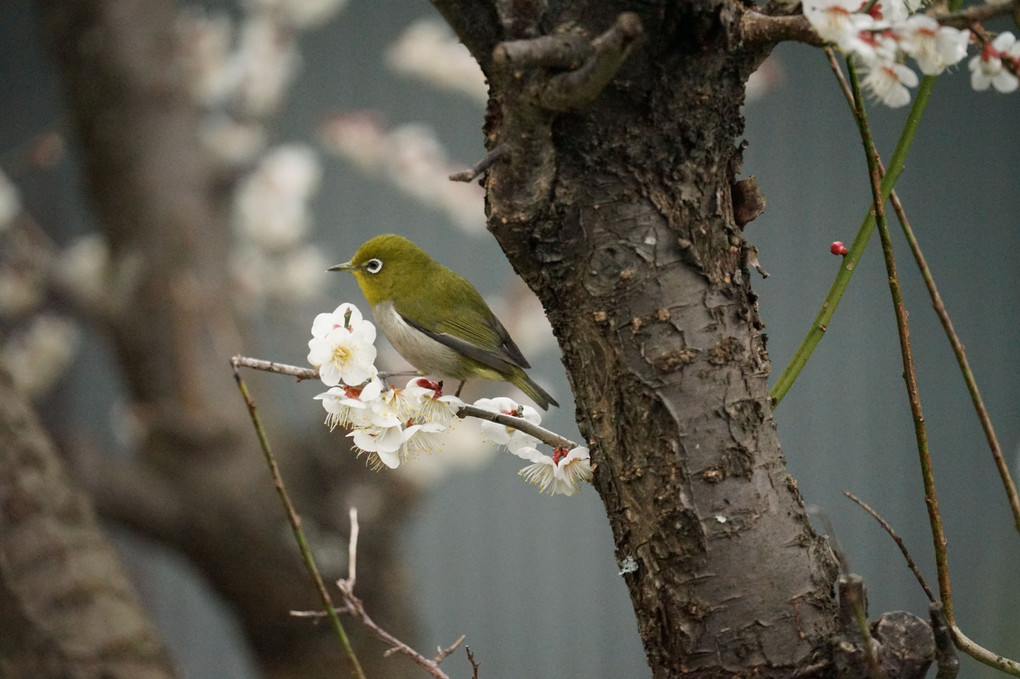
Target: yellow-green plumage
{"type": "Point", "coordinates": [436, 319]}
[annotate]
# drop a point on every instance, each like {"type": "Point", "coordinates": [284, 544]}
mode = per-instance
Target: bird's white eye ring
{"type": "Point", "coordinates": [373, 265]}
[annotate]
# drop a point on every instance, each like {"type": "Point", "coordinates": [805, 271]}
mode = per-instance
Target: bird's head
{"type": "Point", "coordinates": [387, 267]}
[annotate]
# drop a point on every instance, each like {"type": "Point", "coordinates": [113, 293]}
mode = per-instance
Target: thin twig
{"type": "Point", "coordinates": [482, 165]}
{"type": "Point", "coordinates": [355, 607]}
{"type": "Point", "coordinates": [274, 367]}
{"type": "Point", "coordinates": [965, 644]}
{"type": "Point", "coordinates": [977, 13]}
{"type": "Point", "coordinates": [474, 665]}
{"type": "Point", "coordinates": [352, 551]}
{"type": "Point", "coordinates": [982, 654]}
{"type": "Point", "coordinates": [547, 437]}
{"type": "Point", "coordinates": [443, 653]}
{"type": "Point", "coordinates": [903, 329]}
{"type": "Point", "coordinates": [295, 524]}
{"type": "Point", "coordinates": [837, 71]}
{"type": "Point", "coordinates": [899, 543]}
{"type": "Point", "coordinates": [961, 358]}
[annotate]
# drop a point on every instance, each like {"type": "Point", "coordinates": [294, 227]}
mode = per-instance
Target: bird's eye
{"type": "Point", "coordinates": [373, 265]}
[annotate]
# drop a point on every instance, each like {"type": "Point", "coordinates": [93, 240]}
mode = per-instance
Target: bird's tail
{"type": "Point", "coordinates": [536, 393]}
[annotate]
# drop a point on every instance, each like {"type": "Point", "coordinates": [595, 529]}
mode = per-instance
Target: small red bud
{"type": "Point", "coordinates": [837, 248]}
{"type": "Point", "coordinates": [559, 454]}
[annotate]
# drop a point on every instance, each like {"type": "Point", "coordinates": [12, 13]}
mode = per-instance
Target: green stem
{"type": "Point", "coordinates": [853, 256]}
{"type": "Point", "coordinates": [903, 329]}
{"type": "Point", "coordinates": [295, 525]}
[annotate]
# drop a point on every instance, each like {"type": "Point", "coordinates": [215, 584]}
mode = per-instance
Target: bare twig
{"type": "Point", "coordinates": [474, 665]}
{"type": "Point", "coordinates": [354, 606]}
{"type": "Point", "coordinates": [274, 367]}
{"type": "Point", "coordinates": [844, 86]}
{"type": "Point", "coordinates": [482, 165]}
{"type": "Point", "coordinates": [903, 329]}
{"type": "Point", "coordinates": [972, 649]}
{"type": "Point", "coordinates": [961, 358]}
{"type": "Point", "coordinates": [899, 543]}
{"type": "Point", "coordinates": [978, 13]}
{"type": "Point", "coordinates": [443, 653]}
{"type": "Point", "coordinates": [295, 524]}
{"type": "Point", "coordinates": [352, 551]}
{"type": "Point", "coordinates": [982, 654]}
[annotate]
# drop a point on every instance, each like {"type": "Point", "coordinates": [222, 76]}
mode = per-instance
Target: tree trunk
{"type": "Point", "coordinates": [617, 211]}
{"type": "Point", "coordinates": [67, 607]}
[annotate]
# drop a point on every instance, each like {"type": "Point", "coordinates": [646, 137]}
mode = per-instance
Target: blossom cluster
{"type": "Point", "coordinates": [394, 425]}
{"type": "Point", "coordinates": [881, 35]}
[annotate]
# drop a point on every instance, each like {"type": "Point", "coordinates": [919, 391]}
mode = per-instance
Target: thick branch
{"type": "Point", "coordinates": [761, 30]}
{"type": "Point", "coordinates": [577, 88]}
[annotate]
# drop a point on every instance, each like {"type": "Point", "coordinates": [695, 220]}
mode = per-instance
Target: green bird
{"type": "Point", "coordinates": [435, 319]}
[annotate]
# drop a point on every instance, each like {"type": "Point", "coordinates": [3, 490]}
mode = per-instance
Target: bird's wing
{"type": "Point", "coordinates": [489, 344]}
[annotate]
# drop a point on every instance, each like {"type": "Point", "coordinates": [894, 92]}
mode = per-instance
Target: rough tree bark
{"type": "Point", "coordinates": [614, 141]}
{"type": "Point", "coordinates": [197, 481]}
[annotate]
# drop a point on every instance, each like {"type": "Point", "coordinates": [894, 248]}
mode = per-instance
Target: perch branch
{"type": "Point", "coordinates": [547, 437]}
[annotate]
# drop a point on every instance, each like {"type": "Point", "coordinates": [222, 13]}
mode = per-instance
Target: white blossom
{"type": "Point", "coordinates": [888, 82]}
{"type": "Point", "coordinates": [559, 474]}
{"type": "Point", "coordinates": [343, 352]}
{"type": "Point", "coordinates": [987, 68]}
{"type": "Point", "coordinates": [500, 435]}
{"type": "Point", "coordinates": [932, 46]}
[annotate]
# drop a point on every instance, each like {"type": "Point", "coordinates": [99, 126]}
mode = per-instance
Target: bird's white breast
{"type": "Point", "coordinates": [424, 353]}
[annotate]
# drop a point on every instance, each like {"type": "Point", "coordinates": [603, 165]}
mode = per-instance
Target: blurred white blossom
{"type": "Point", "coordinates": [271, 204]}
{"type": "Point", "coordinates": [299, 13]}
{"type": "Point", "coordinates": [266, 61]}
{"type": "Point", "coordinates": [38, 355]}
{"type": "Point", "coordinates": [84, 266]}
{"type": "Point", "coordinates": [412, 159]}
{"type": "Point", "coordinates": [230, 143]}
{"type": "Point", "coordinates": [20, 291]}
{"type": "Point", "coordinates": [429, 50]}
{"type": "Point", "coordinates": [205, 42]}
